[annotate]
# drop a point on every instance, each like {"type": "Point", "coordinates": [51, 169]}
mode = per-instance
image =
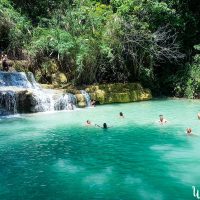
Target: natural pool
{"type": "Point", "coordinates": [53, 156]}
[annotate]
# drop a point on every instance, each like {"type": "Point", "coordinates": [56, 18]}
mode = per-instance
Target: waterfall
{"type": "Point", "coordinates": [42, 102]}
{"type": "Point", "coordinates": [8, 103]}
{"type": "Point", "coordinates": [38, 101]}
{"type": "Point", "coordinates": [19, 92]}
{"type": "Point", "coordinates": [32, 80]}
{"type": "Point", "coordinates": [87, 97]}
{"type": "Point", "coordinates": [66, 102]}
{"type": "Point", "coordinates": [18, 79]}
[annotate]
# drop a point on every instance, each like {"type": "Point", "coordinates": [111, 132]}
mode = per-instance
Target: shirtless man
{"type": "Point", "coordinates": [162, 120]}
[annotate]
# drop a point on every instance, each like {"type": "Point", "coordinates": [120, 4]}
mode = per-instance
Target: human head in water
{"type": "Point", "coordinates": [189, 131]}
{"type": "Point", "coordinates": [161, 118]}
{"type": "Point", "coordinates": [88, 122]}
{"type": "Point", "coordinates": [105, 125]}
{"type": "Point", "coordinates": [121, 114]}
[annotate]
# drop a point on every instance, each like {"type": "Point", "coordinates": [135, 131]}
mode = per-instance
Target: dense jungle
{"type": "Point", "coordinates": [153, 42]}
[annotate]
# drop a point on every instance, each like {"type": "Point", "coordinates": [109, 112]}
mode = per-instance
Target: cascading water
{"type": "Point", "coordinates": [19, 92]}
{"type": "Point", "coordinates": [66, 102]}
{"type": "Point", "coordinates": [42, 102]}
{"type": "Point", "coordinates": [32, 80]}
{"type": "Point", "coordinates": [87, 97]}
{"type": "Point", "coordinates": [17, 79]}
{"type": "Point", "coordinates": [8, 103]}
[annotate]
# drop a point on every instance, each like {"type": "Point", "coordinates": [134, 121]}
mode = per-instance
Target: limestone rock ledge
{"type": "Point", "coordinates": [118, 93]}
{"type": "Point", "coordinates": [108, 93]}
{"type": "Point", "coordinates": [18, 100]}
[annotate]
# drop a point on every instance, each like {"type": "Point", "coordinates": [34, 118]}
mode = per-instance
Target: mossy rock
{"type": "Point", "coordinates": [115, 87]}
{"type": "Point", "coordinates": [71, 89]}
{"type": "Point", "coordinates": [92, 88]}
{"type": "Point", "coordinates": [110, 93]}
{"type": "Point", "coordinates": [48, 86]}
{"type": "Point", "coordinates": [59, 78]}
{"type": "Point", "coordinates": [80, 98]}
{"type": "Point", "coordinates": [118, 93]}
{"type": "Point", "coordinates": [134, 95]}
{"type": "Point", "coordinates": [81, 102]}
{"type": "Point", "coordinates": [119, 97]}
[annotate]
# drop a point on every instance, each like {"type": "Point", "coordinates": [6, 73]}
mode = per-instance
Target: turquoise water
{"type": "Point", "coordinates": [53, 156]}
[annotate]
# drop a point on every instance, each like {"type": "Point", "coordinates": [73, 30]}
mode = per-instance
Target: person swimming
{"type": "Point", "coordinates": [162, 120]}
{"type": "Point", "coordinates": [198, 115]}
{"type": "Point", "coordinates": [105, 126]}
{"type": "Point", "coordinates": [189, 131]}
{"type": "Point", "coordinates": [121, 115]}
{"type": "Point", "coordinates": [88, 123]}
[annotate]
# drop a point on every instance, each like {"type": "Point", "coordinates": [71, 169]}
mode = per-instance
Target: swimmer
{"type": "Point", "coordinates": [104, 126]}
{"type": "Point", "coordinates": [198, 115]}
{"type": "Point", "coordinates": [162, 120]}
{"type": "Point", "coordinates": [88, 123]}
{"type": "Point", "coordinates": [189, 131]}
{"type": "Point", "coordinates": [121, 115]}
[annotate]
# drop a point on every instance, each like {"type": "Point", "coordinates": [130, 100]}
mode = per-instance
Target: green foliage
{"type": "Point", "coordinates": [50, 41]}
{"type": "Point", "coordinates": [37, 9]}
{"type": "Point", "coordinates": [106, 40]}
{"type": "Point", "coordinates": [14, 28]}
{"type": "Point", "coordinates": [186, 82]}
{"type": "Point", "coordinates": [193, 78]}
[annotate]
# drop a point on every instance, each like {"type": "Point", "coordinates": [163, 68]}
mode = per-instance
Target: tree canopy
{"type": "Point", "coordinates": [155, 42]}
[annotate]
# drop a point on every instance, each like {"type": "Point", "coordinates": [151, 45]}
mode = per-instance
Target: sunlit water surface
{"type": "Point", "coordinates": [53, 156]}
